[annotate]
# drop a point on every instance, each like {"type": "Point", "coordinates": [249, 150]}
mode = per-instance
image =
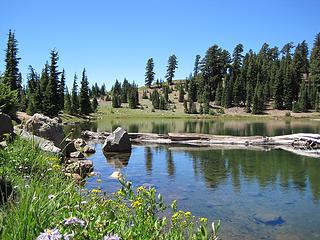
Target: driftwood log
{"type": "Point", "coordinates": [307, 144]}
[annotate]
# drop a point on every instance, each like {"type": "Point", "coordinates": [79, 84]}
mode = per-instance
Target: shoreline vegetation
{"type": "Point", "coordinates": [42, 202]}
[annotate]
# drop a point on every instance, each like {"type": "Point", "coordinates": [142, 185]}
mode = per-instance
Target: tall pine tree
{"type": "Point", "coordinates": [171, 68]}
{"type": "Point", "coordinates": [149, 72]}
{"type": "Point", "coordinates": [84, 100]}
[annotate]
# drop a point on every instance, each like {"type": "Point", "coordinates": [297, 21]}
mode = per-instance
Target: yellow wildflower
{"type": "Point", "coordinates": [136, 204]}
{"type": "Point", "coordinates": [204, 220]}
{"type": "Point", "coordinates": [96, 191]}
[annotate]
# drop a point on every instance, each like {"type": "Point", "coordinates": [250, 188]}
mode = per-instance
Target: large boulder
{"type": "Point", "coordinates": [45, 127]}
{"type": "Point", "coordinates": [118, 141]}
{"type": "Point", "coordinates": [6, 126]}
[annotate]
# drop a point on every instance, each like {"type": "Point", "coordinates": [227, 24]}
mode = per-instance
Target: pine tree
{"type": "Point", "coordinates": [171, 68]}
{"type": "Point", "coordinates": [196, 66]}
{"type": "Point", "coordinates": [50, 102]}
{"type": "Point", "coordinates": [165, 90]}
{"type": "Point", "coordinates": [8, 100]}
{"type": "Point", "coordinates": [192, 90]}
{"type": "Point", "coordinates": [155, 98]}
{"type": "Point", "coordinates": [125, 91]}
{"type": "Point", "coordinates": [61, 89]}
{"type": "Point", "coordinates": [84, 100]}
{"type": "Point", "coordinates": [94, 104]}
{"type": "Point", "coordinates": [74, 97]}
{"type": "Point", "coordinates": [227, 94]}
{"type": "Point", "coordinates": [278, 90]}
{"type": "Point", "coordinates": [67, 102]}
{"type": "Point", "coordinates": [44, 79]}
{"type": "Point", "coordinates": [162, 103]}
{"type": "Point", "coordinates": [116, 95]}
{"type": "Point", "coordinates": [219, 94]}
{"type": "Point", "coordinates": [11, 73]}
{"type": "Point", "coordinates": [181, 93]}
{"type": "Point", "coordinates": [258, 99]}
{"type": "Point", "coordinates": [315, 67]}
{"type": "Point", "coordinates": [149, 72]}
{"type": "Point", "coordinates": [303, 98]}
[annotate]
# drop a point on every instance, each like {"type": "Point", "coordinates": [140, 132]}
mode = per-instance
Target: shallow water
{"type": "Point", "coordinates": [256, 194]}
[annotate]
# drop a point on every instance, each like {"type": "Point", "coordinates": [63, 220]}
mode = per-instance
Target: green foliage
{"type": "Point", "coordinates": [171, 68]}
{"type": "Point", "coordinates": [67, 103]}
{"type": "Point", "coordinates": [192, 108]}
{"type": "Point", "coordinates": [258, 100]}
{"type": "Point", "coordinates": [8, 100]}
{"type": "Point", "coordinates": [84, 100]}
{"type": "Point", "coordinates": [61, 88]}
{"type": "Point", "coordinates": [144, 95]}
{"type": "Point", "coordinates": [47, 200]}
{"type": "Point", "coordinates": [303, 98]}
{"type": "Point", "coordinates": [181, 93]}
{"type": "Point", "coordinates": [94, 104]}
{"type": "Point", "coordinates": [196, 68]}
{"type": "Point", "coordinates": [11, 74]}
{"type": "Point", "coordinates": [155, 99]}
{"type": "Point", "coordinates": [50, 102]}
{"type": "Point", "coordinates": [185, 106]}
{"type": "Point", "coordinates": [192, 90]}
{"type": "Point", "coordinates": [149, 72]}
{"type": "Point", "coordinates": [74, 96]}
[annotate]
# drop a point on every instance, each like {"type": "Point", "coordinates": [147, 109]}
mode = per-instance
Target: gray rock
{"type": "Point", "coordinates": [88, 149]}
{"type": "Point", "coordinates": [76, 177]}
{"type": "Point", "coordinates": [94, 135]}
{"type": "Point", "coordinates": [79, 143]}
{"type": "Point", "coordinates": [42, 143]}
{"type": "Point", "coordinates": [81, 167]}
{"type": "Point", "coordinates": [76, 155]}
{"type": "Point", "coordinates": [6, 126]}
{"type": "Point", "coordinates": [69, 147]}
{"type": "Point", "coordinates": [45, 127]}
{"type": "Point", "coordinates": [118, 141]}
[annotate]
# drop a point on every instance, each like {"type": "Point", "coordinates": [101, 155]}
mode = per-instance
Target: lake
{"type": "Point", "coordinates": [256, 194]}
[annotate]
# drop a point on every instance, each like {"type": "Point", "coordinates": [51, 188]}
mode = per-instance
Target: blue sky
{"type": "Point", "coordinates": [114, 39]}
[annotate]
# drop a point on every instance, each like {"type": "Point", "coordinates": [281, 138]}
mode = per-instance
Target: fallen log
{"type": "Point", "coordinates": [306, 144]}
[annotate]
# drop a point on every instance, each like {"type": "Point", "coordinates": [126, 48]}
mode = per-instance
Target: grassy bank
{"type": "Point", "coordinates": [45, 203]}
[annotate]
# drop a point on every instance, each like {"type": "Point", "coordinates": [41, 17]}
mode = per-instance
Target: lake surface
{"type": "Point", "coordinates": [256, 194]}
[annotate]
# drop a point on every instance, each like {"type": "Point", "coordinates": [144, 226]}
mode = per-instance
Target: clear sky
{"type": "Point", "coordinates": [114, 39]}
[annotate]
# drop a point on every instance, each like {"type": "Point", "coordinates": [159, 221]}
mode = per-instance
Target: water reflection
{"type": "Point", "coordinates": [117, 160]}
{"type": "Point", "coordinates": [206, 126]}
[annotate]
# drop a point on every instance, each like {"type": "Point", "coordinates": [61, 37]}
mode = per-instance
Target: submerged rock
{"type": "Point", "coordinates": [116, 175]}
{"type": "Point", "coordinates": [117, 141]}
{"type": "Point", "coordinates": [117, 160]}
{"type": "Point", "coordinates": [88, 149]}
{"type": "Point", "coordinates": [69, 147]}
{"type": "Point", "coordinates": [81, 167]}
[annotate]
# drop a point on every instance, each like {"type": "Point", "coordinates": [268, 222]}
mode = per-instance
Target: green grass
{"type": "Point", "coordinates": [45, 200]}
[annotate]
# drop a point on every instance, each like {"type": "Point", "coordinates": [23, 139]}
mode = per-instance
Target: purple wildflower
{"type": "Point", "coordinates": [74, 220]}
{"type": "Point", "coordinates": [50, 234]}
{"type": "Point", "coordinates": [111, 237]}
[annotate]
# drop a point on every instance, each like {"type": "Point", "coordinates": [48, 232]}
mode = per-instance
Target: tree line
{"type": "Point", "coordinates": [46, 92]}
{"type": "Point", "coordinates": [287, 78]}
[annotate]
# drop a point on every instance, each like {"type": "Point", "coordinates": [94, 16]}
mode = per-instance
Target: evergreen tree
{"type": "Point", "coordinates": [67, 102]}
{"type": "Point", "coordinates": [61, 89]}
{"type": "Point", "coordinates": [314, 79]}
{"type": "Point", "coordinates": [125, 91]}
{"type": "Point", "coordinates": [103, 90]}
{"type": "Point", "coordinates": [192, 107]}
{"type": "Point", "coordinates": [165, 90]}
{"type": "Point", "coordinates": [303, 98]}
{"type": "Point", "coordinates": [192, 90]}
{"type": "Point", "coordinates": [162, 103]}
{"type": "Point", "coordinates": [8, 100]}
{"type": "Point", "coordinates": [171, 68]}
{"type": "Point", "coordinates": [94, 104]}
{"type": "Point", "coordinates": [44, 79]}
{"type": "Point", "coordinates": [234, 87]}
{"type": "Point", "coordinates": [149, 72]}
{"type": "Point", "coordinates": [144, 95]}
{"type": "Point", "coordinates": [74, 96]}
{"type": "Point", "coordinates": [258, 99]}
{"type": "Point", "coordinates": [84, 100]}
{"type": "Point", "coordinates": [219, 94]}
{"type": "Point", "coordinates": [50, 102]}
{"type": "Point", "coordinates": [23, 102]}
{"type": "Point", "coordinates": [196, 66]}
{"type": "Point", "coordinates": [181, 93]}
{"type": "Point", "coordinates": [155, 98]}
{"type": "Point", "coordinates": [278, 90]}
{"type": "Point", "coordinates": [11, 73]}
{"type": "Point", "coordinates": [227, 94]}
{"type": "Point", "coordinates": [116, 95]}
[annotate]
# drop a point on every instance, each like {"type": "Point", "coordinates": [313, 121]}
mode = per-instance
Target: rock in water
{"type": "Point", "coordinates": [45, 127]}
{"type": "Point", "coordinates": [118, 141]}
{"type": "Point", "coordinates": [116, 175]}
{"type": "Point", "coordinates": [79, 143]}
{"type": "Point", "coordinates": [88, 149]}
{"type": "Point", "coordinates": [6, 126]}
